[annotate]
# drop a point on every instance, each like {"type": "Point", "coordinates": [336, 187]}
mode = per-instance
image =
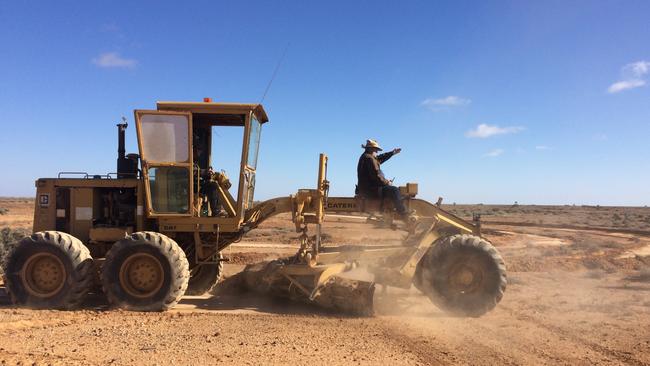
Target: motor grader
{"type": "Point", "coordinates": [148, 234]}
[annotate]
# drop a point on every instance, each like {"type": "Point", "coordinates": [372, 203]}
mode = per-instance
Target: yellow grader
{"type": "Point", "coordinates": [151, 234]}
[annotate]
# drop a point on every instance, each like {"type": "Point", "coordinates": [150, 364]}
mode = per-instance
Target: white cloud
{"type": "Point", "coordinates": [624, 85]}
{"type": "Point", "coordinates": [633, 76]}
{"type": "Point", "coordinates": [637, 69]}
{"type": "Point", "coordinates": [446, 102]}
{"type": "Point", "coordinates": [113, 59]}
{"type": "Point", "coordinates": [542, 147]}
{"type": "Point", "coordinates": [483, 131]}
{"type": "Point", "coordinates": [494, 153]}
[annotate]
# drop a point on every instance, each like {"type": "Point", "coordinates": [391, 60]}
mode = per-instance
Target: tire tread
{"type": "Point", "coordinates": [176, 258]}
{"type": "Point", "coordinates": [431, 261]}
{"type": "Point", "coordinates": [81, 262]}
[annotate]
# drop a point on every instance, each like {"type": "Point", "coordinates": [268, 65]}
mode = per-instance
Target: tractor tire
{"type": "Point", "coordinates": [462, 274]}
{"type": "Point", "coordinates": [146, 271]}
{"type": "Point", "coordinates": [49, 270]}
{"type": "Point", "coordinates": [203, 277]}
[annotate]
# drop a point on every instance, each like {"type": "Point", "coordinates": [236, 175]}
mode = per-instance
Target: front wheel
{"type": "Point", "coordinates": [462, 274]}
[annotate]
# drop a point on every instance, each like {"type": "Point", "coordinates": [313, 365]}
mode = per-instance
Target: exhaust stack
{"type": "Point", "coordinates": [127, 166]}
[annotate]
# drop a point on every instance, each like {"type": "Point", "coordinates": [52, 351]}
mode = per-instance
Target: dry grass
{"type": "Point", "coordinates": [16, 212]}
{"type": "Point", "coordinates": [633, 218]}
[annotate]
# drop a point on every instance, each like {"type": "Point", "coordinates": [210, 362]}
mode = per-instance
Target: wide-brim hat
{"type": "Point", "coordinates": [370, 143]}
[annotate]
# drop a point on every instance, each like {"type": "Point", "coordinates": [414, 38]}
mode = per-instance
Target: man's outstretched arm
{"type": "Point", "coordinates": [387, 155]}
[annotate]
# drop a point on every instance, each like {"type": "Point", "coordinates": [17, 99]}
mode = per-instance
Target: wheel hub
{"type": "Point", "coordinates": [141, 275]}
{"type": "Point", "coordinates": [44, 275]}
{"type": "Point", "coordinates": [465, 278]}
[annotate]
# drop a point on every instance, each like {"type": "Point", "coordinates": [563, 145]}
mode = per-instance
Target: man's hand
{"type": "Point", "coordinates": [397, 151]}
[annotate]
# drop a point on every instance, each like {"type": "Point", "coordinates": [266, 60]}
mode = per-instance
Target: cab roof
{"type": "Point", "coordinates": [214, 108]}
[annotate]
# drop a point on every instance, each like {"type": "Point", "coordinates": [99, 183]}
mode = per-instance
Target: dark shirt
{"type": "Point", "coordinates": [370, 176]}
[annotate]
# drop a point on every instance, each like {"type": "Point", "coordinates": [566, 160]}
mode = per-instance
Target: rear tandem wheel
{"type": "Point", "coordinates": [146, 271]}
{"type": "Point", "coordinates": [49, 270]}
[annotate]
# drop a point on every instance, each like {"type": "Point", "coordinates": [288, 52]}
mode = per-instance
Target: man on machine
{"type": "Point", "coordinates": [371, 181]}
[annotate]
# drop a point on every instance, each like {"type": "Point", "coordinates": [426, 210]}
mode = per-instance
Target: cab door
{"type": "Point", "coordinates": [164, 140]}
{"type": "Point", "coordinates": [249, 164]}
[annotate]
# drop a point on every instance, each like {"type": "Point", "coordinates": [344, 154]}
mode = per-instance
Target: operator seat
{"type": "Point", "coordinates": [372, 203]}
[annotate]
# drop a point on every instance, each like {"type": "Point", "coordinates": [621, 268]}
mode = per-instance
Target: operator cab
{"type": "Point", "coordinates": [184, 150]}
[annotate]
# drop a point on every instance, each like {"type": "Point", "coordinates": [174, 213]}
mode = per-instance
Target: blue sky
{"type": "Point", "coordinates": [494, 102]}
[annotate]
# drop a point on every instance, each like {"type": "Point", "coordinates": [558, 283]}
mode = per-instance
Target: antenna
{"type": "Point", "coordinates": [277, 67]}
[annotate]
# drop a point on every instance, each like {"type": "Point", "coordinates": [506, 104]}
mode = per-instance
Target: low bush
{"type": "Point", "coordinates": [8, 238]}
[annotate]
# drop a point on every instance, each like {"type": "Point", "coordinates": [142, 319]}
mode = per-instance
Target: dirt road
{"type": "Point", "coordinates": [574, 297]}
{"type": "Point", "coordinates": [545, 319]}
{"type": "Point", "coordinates": [553, 317]}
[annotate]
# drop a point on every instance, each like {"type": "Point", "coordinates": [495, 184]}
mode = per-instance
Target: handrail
{"type": "Point", "coordinates": [85, 175]}
{"type": "Point", "coordinates": [130, 175]}
{"type": "Point", "coordinates": [98, 176]}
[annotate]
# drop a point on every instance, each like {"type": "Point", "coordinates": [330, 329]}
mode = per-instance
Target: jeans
{"type": "Point", "coordinates": [213, 197]}
{"type": "Point", "coordinates": [393, 193]}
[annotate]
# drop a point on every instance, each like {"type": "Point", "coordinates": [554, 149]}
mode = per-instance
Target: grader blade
{"type": "Point", "coordinates": [319, 285]}
{"type": "Point", "coordinates": [347, 296]}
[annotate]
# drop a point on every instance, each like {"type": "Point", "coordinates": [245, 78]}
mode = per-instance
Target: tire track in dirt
{"type": "Point", "coordinates": [19, 325]}
{"type": "Point", "coordinates": [443, 351]}
{"type": "Point", "coordinates": [427, 352]}
{"type": "Point", "coordinates": [59, 319]}
{"type": "Point", "coordinates": [622, 356]}
{"type": "Point", "coordinates": [458, 342]}
{"type": "Point", "coordinates": [570, 227]}
{"type": "Point", "coordinates": [518, 349]}
{"type": "Point", "coordinates": [34, 358]}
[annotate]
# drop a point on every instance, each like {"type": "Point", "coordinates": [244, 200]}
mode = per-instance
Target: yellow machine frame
{"type": "Point", "coordinates": [212, 234]}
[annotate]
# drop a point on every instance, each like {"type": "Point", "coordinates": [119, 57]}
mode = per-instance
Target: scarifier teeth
{"type": "Point", "coordinates": [337, 294]}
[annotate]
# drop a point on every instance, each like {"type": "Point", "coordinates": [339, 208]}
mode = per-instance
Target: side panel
{"type": "Point", "coordinates": [82, 209]}
{"type": "Point", "coordinates": [63, 212]}
{"type": "Point", "coordinates": [342, 204]}
{"type": "Point", "coordinates": [68, 209]}
{"type": "Point", "coordinates": [75, 205]}
{"type": "Point", "coordinates": [422, 208]}
{"type": "Point", "coordinates": [45, 206]}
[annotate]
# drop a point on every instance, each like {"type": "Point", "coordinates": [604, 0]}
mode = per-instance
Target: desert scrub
{"type": "Point", "coordinates": [8, 238]}
{"type": "Point", "coordinates": [3, 211]}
